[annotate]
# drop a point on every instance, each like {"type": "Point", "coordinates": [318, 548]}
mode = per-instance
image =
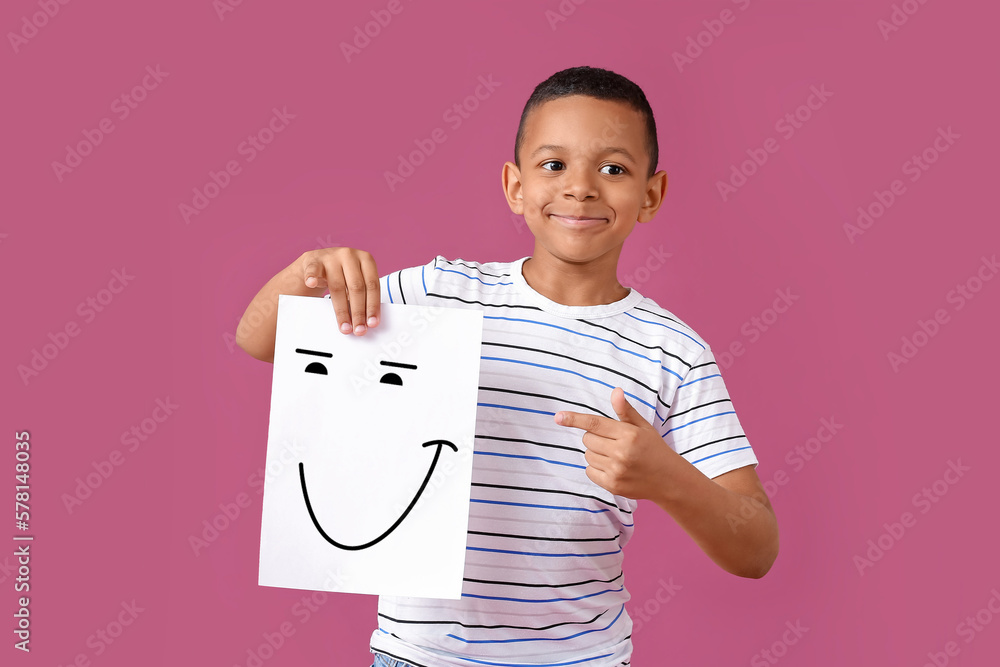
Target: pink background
{"type": "Point", "coordinates": [167, 334]}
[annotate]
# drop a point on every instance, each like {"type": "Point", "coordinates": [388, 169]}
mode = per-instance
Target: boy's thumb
{"type": "Point", "coordinates": [624, 409]}
{"type": "Point", "coordinates": [311, 272]}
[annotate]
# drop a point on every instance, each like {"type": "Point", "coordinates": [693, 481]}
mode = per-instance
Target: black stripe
{"type": "Point", "coordinates": [669, 319]}
{"type": "Point", "coordinates": [547, 539]}
{"type": "Point", "coordinates": [453, 262]}
{"type": "Point", "coordinates": [581, 361]}
{"type": "Point", "coordinates": [577, 583]}
{"type": "Point", "coordinates": [532, 442]}
{"type": "Point", "coordinates": [635, 342]}
{"type": "Point", "coordinates": [707, 363]}
{"type": "Point", "coordinates": [492, 305]}
{"type": "Point", "coordinates": [721, 400]}
{"type": "Point", "coordinates": [492, 627]}
{"type": "Point", "coordinates": [556, 491]}
{"type": "Point", "coordinates": [552, 398]}
{"type": "Point", "coordinates": [732, 437]}
{"type": "Point", "coordinates": [399, 277]}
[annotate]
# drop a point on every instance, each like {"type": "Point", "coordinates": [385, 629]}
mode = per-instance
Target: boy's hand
{"type": "Point", "coordinates": [352, 279]}
{"type": "Point", "coordinates": [629, 458]}
{"type": "Point", "coordinates": [625, 456]}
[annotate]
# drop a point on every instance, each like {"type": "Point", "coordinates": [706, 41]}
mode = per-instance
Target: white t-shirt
{"type": "Point", "coordinates": [543, 582]}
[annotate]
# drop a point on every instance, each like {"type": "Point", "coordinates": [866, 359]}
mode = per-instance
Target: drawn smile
{"type": "Point", "coordinates": [357, 547]}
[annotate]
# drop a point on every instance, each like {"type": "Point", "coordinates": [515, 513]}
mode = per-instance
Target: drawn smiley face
{"type": "Point", "coordinates": [388, 378]}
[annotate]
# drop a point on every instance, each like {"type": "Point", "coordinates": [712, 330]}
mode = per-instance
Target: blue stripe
{"type": "Point", "coordinates": [546, 324]}
{"type": "Point", "coordinates": [720, 454]}
{"type": "Point", "coordinates": [660, 324]}
{"type": "Point", "coordinates": [532, 458]}
{"type": "Point", "coordinates": [388, 286]}
{"type": "Point", "coordinates": [539, 639]}
{"type": "Point", "coordinates": [532, 553]}
{"type": "Point", "coordinates": [511, 407]}
{"type": "Point", "coordinates": [470, 277]}
{"type": "Point", "coordinates": [566, 370]}
{"type": "Point", "coordinates": [422, 279]}
{"type": "Point", "coordinates": [582, 597]}
{"type": "Point", "coordinates": [695, 421]}
{"type": "Point", "coordinates": [672, 372]}
{"type": "Point", "coordinates": [717, 375]}
{"type": "Point", "coordinates": [547, 507]}
{"type": "Point", "coordinates": [540, 664]}
{"type": "Point", "coordinates": [521, 664]}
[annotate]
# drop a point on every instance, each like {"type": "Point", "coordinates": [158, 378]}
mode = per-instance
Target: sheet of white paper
{"type": "Point", "coordinates": [369, 451]}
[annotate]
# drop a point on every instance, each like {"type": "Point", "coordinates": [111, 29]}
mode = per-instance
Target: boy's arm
{"type": "Point", "coordinates": [729, 517]}
{"type": "Point", "coordinates": [350, 276]}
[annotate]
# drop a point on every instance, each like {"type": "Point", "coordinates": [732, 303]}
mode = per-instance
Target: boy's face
{"type": "Point", "coordinates": [583, 158]}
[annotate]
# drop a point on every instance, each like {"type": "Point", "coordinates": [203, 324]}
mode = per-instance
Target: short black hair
{"type": "Point", "coordinates": [600, 84]}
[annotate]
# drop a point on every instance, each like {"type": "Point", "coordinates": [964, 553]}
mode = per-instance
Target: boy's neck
{"type": "Point", "coordinates": [591, 284]}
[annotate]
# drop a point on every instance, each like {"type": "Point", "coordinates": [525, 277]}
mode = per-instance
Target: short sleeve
{"type": "Point", "coordinates": [410, 285]}
{"type": "Point", "coordinates": [702, 425]}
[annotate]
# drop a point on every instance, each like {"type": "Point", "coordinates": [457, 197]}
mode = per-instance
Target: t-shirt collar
{"type": "Point", "coordinates": [562, 310]}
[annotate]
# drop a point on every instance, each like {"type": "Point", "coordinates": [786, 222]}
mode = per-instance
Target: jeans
{"type": "Point", "coordinates": [386, 661]}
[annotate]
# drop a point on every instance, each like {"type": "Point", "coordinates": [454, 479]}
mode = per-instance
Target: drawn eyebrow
{"type": "Point", "coordinates": [314, 353]}
{"type": "Point", "coordinates": [398, 365]}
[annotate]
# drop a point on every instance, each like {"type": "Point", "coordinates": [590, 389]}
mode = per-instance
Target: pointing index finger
{"type": "Point", "coordinates": [590, 423]}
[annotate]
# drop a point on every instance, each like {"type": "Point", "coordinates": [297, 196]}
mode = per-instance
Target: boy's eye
{"type": "Point", "coordinates": [620, 170]}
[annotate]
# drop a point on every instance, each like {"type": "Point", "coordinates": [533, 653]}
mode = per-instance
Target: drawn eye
{"type": "Point", "coordinates": [392, 378]}
{"type": "Point", "coordinates": [315, 367]}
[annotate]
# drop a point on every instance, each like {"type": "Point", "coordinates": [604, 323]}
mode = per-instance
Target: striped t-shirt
{"type": "Point", "coordinates": [543, 581]}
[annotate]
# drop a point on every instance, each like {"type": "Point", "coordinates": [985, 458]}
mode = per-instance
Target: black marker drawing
{"type": "Point", "coordinates": [315, 367]}
{"type": "Point", "coordinates": [388, 378]}
{"type": "Point", "coordinates": [349, 547]}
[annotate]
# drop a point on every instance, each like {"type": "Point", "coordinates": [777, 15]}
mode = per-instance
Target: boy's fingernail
{"type": "Point", "coordinates": [345, 327]}
{"type": "Point", "coordinates": [372, 321]}
{"type": "Point", "coordinates": [360, 329]}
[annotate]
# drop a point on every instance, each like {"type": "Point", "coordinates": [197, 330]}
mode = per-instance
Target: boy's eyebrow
{"type": "Point", "coordinates": [608, 149]}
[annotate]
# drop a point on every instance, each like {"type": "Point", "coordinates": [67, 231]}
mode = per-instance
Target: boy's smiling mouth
{"type": "Point", "coordinates": [577, 222]}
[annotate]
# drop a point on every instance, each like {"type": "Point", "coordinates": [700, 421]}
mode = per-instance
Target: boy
{"type": "Point", "coordinates": [591, 397]}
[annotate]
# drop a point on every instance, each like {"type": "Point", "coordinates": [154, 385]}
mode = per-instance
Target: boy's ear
{"type": "Point", "coordinates": [510, 178]}
{"type": "Point", "coordinates": [656, 187]}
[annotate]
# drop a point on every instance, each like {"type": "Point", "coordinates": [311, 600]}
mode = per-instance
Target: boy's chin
{"type": "Point", "coordinates": [575, 257]}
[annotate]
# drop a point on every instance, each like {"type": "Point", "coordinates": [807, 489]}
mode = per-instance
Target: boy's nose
{"type": "Point", "coordinates": [580, 184]}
